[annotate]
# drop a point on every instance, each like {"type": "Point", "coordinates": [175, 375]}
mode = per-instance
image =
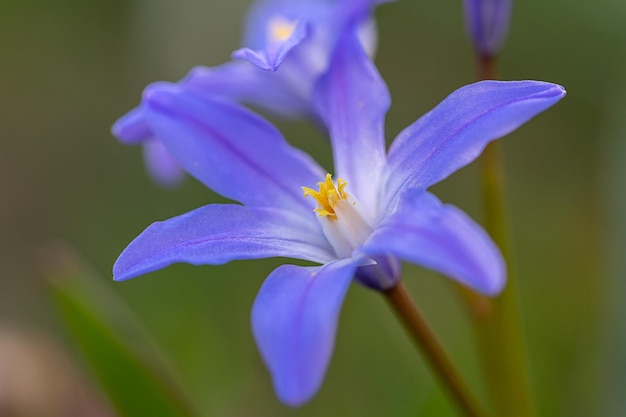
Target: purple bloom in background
{"type": "Point", "coordinates": [275, 27]}
{"type": "Point", "coordinates": [288, 46]}
{"type": "Point", "coordinates": [487, 23]}
{"type": "Point", "coordinates": [360, 225]}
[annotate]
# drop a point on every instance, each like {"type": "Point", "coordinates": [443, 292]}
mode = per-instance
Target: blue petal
{"type": "Point", "coordinates": [132, 129]}
{"type": "Point", "coordinates": [440, 237]}
{"type": "Point", "coordinates": [242, 82]}
{"type": "Point", "coordinates": [352, 99]}
{"type": "Point", "coordinates": [161, 165]}
{"type": "Point", "coordinates": [347, 12]}
{"type": "Point", "coordinates": [266, 51]}
{"type": "Point", "coordinates": [274, 51]}
{"type": "Point", "coordinates": [294, 320]}
{"type": "Point", "coordinates": [455, 132]}
{"type": "Point", "coordinates": [230, 149]}
{"type": "Point", "coordinates": [219, 233]}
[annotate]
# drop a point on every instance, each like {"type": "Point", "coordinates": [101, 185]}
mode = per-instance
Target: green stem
{"type": "Point", "coordinates": [407, 312]}
{"type": "Point", "coordinates": [499, 331]}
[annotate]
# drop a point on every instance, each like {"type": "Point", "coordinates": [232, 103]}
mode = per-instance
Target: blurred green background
{"type": "Point", "coordinates": [70, 68]}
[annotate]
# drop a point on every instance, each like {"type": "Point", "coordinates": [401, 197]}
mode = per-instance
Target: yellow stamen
{"type": "Point", "coordinates": [327, 196]}
{"type": "Point", "coordinates": [281, 29]}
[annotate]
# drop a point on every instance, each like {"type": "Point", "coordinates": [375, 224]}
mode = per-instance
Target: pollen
{"type": "Point", "coordinates": [280, 29]}
{"type": "Point", "coordinates": [328, 196]}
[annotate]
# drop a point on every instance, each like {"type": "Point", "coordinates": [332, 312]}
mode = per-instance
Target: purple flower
{"type": "Point", "coordinates": [360, 225]}
{"type": "Point", "coordinates": [275, 27]}
{"type": "Point", "coordinates": [296, 36]}
{"type": "Point", "coordinates": [487, 23]}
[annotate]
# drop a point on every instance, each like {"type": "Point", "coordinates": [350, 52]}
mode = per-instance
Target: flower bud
{"type": "Point", "coordinates": [487, 23]}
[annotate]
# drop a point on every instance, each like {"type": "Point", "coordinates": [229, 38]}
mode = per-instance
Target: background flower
{"type": "Point", "coordinates": [295, 36]}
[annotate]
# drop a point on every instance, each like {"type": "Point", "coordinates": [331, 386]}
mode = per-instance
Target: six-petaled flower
{"type": "Point", "coordinates": [358, 224]}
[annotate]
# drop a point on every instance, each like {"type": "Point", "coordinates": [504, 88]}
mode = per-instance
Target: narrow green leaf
{"type": "Point", "coordinates": [125, 362]}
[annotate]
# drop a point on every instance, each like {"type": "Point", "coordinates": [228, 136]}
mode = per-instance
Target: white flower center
{"type": "Point", "coordinates": [345, 226]}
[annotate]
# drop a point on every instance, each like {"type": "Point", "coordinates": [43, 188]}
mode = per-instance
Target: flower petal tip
{"type": "Point", "coordinates": [118, 274]}
{"type": "Point", "coordinates": [294, 398]}
{"type": "Point", "coordinates": [494, 287]}
{"type": "Point", "coordinates": [555, 90]}
{"type": "Point", "coordinates": [121, 128]}
{"type": "Point", "coordinates": [562, 91]}
{"type": "Point", "coordinates": [131, 128]}
{"type": "Point", "coordinates": [493, 277]}
{"type": "Point", "coordinates": [118, 277]}
{"type": "Point", "coordinates": [160, 95]}
{"type": "Point", "coordinates": [195, 74]}
{"type": "Point", "coordinates": [255, 58]}
{"type": "Point", "coordinates": [125, 269]}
